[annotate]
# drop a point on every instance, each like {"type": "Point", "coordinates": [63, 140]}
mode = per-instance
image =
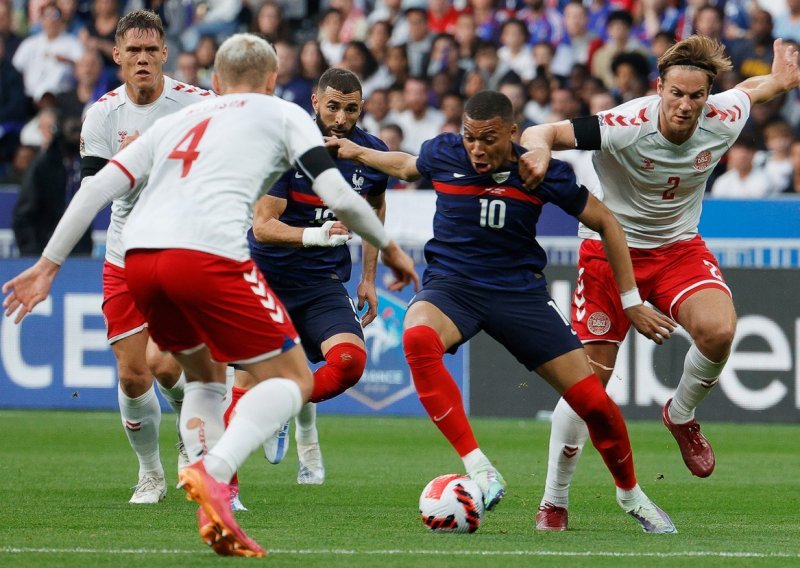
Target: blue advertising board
{"type": "Point", "coordinates": [58, 356]}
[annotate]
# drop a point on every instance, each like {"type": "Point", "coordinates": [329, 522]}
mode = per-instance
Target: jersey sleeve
{"type": "Point", "coordinates": [427, 158]}
{"type": "Point", "coordinates": [280, 188]}
{"type": "Point", "coordinates": [732, 109]}
{"type": "Point", "coordinates": [561, 188]}
{"type": "Point", "coordinates": [94, 140]}
{"type": "Point", "coordinates": [301, 134]}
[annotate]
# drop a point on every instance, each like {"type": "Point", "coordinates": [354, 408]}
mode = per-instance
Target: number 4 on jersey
{"type": "Point", "coordinates": [191, 140]}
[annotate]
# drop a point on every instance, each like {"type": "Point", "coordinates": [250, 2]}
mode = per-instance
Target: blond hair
{"type": "Point", "coordinates": [245, 59]}
{"type": "Point", "coordinates": [697, 52]}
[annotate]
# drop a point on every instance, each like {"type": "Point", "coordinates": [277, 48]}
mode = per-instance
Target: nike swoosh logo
{"type": "Point", "coordinates": [623, 460]}
{"type": "Point", "coordinates": [457, 175]}
{"type": "Point", "coordinates": [298, 175]}
{"type": "Point", "coordinates": [443, 416]}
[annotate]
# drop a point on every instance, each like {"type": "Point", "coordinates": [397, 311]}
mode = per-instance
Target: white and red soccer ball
{"type": "Point", "coordinates": [451, 503]}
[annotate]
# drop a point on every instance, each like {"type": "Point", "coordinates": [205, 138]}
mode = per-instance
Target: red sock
{"type": "Point", "coordinates": [344, 366]}
{"type": "Point", "coordinates": [437, 390]}
{"type": "Point", "coordinates": [236, 394]}
{"type": "Point", "coordinates": [607, 428]}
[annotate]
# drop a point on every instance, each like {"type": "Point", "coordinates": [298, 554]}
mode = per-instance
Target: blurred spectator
{"type": "Point", "coordinates": [537, 109]}
{"type": "Point", "coordinates": [709, 21]}
{"type": "Point", "coordinates": [442, 17]}
{"type": "Point", "coordinates": [452, 107]}
{"type": "Point", "coordinates": [544, 24]}
{"type": "Point", "coordinates": [598, 11]}
{"type": "Point", "coordinates": [290, 85]}
{"type": "Point", "coordinates": [793, 186]}
{"type": "Point", "coordinates": [73, 22]}
{"type": "Point", "coordinates": [686, 23]}
{"type": "Point", "coordinates": [752, 56]}
{"type": "Point", "coordinates": [46, 59]}
{"type": "Point", "coordinates": [418, 47]}
{"type": "Point", "coordinates": [658, 16]}
{"type": "Point", "coordinates": [205, 53]}
{"type": "Point", "coordinates": [392, 136]}
{"type": "Point", "coordinates": [100, 33]}
{"type": "Point", "coordinates": [15, 172]}
{"type": "Point", "coordinates": [396, 66]}
{"type": "Point", "coordinates": [564, 105]}
{"type": "Point", "coordinates": [354, 26]}
{"type": "Point", "coordinates": [397, 101]}
{"type": "Point", "coordinates": [487, 21]}
{"type": "Point", "coordinates": [619, 40]}
{"type": "Point", "coordinates": [330, 36]}
{"type": "Point", "coordinates": [788, 26]}
{"type": "Point", "coordinates": [14, 108]}
{"type": "Point", "coordinates": [419, 121]}
{"type": "Point", "coordinates": [631, 76]}
{"type": "Point", "coordinates": [217, 18]}
{"type": "Point", "coordinates": [474, 82]}
{"type": "Point", "coordinates": [516, 94]}
{"type": "Point", "coordinates": [543, 54]}
{"type": "Point", "coordinates": [776, 160]}
{"type": "Point", "coordinates": [391, 11]}
{"type": "Point", "coordinates": [466, 38]}
{"type": "Point", "coordinates": [376, 112]}
{"type": "Point", "coordinates": [444, 61]}
{"type": "Point", "coordinates": [9, 40]}
{"type": "Point", "coordinates": [187, 68]}
{"type": "Point", "coordinates": [92, 85]}
{"type": "Point", "coordinates": [269, 23]}
{"type": "Point", "coordinates": [577, 42]}
{"type": "Point", "coordinates": [378, 39]}
{"type": "Point", "coordinates": [741, 180]}
{"type": "Point", "coordinates": [358, 59]}
{"type": "Point", "coordinates": [312, 61]}
{"type": "Point", "coordinates": [48, 186]}
{"type": "Point", "coordinates": [488, 63]}
{"type": "Point", "coordinates": [515, 51]}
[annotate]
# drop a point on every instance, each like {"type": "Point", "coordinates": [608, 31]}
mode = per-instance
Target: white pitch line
{"type": "Point", "coordinates": [346, 552]}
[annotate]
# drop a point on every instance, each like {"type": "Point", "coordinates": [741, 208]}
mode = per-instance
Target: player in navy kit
{"type": "Point", "coordinates": [297, 243]}
{"type": "Point", "coordinates": [485, 273]}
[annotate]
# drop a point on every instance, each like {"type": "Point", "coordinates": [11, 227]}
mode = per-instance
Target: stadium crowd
{"type": "Point", "coordinates": [418, 61]}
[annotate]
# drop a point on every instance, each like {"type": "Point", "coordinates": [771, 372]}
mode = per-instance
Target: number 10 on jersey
{"type": "Point", "coordinates": [493, 213]}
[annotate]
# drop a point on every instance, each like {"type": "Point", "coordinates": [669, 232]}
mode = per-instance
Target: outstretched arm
{"type": "Point", "coordinates": [785, 75]}
{"type": "Point", "coordinates": [648, 322]}
{"type": "Point", "coordinates": [395, 164]}
{"type": "Point", "coordinates": [540, 141]}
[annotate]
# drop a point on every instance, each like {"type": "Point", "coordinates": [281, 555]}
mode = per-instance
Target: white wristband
{"type": "Point", "coordinates": [631, 298]}
{"type": "Point", "coordinates": [321, 237]}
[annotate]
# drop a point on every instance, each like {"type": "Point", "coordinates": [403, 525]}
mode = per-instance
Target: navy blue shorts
{"type": "Point", "coordinates": [319, 310]}
{"type": "Point", "coordinates": [528, 324]}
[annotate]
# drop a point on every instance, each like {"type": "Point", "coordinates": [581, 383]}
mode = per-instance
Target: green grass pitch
{"type": "Point", "coordinates": [66, 478]}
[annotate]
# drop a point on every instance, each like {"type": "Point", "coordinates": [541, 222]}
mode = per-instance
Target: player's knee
{"type": "Point", "coordinates": [349, 360]}
{"type": "Point", "coordinates": [422, 343]}
{"type": "Point", "coordinates": [133, 381]}
{"type": "Point", "coordinates": [165, 369]}
{"type": "Point", "coordinates": [715, 341]}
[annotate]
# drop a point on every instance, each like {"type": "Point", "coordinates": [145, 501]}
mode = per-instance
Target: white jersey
{"type": "Point", "coordinates": [654, 187]}
{"type": "Point", "coordinates": [207, 164]}
{"type": "Point", "coordinates": [109, 121]}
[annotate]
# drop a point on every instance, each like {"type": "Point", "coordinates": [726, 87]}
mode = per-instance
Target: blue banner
{"type": "Point", "coordinates": [58, 356]}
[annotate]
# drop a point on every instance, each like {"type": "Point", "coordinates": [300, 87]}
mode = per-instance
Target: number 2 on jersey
{"type": "Point", "coordinates": [191, 140]}
{"type": "Point", "coordinates": [669, 193]}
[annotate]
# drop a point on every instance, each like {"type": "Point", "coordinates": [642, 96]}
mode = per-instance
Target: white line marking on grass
{"type": "Point", "coordinates": [345, 552]}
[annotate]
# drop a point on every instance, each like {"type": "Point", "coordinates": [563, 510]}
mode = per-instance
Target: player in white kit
{"type": "Point", "coordinates": [188, 266]}
{"type": "Point", "coordinates": [653, 156]}
{"type": "Point", "coordinates": [115, 120]}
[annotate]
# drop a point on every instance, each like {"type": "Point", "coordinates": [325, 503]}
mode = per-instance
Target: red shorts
{"type": "Point", "coordinates": [666, 276]}
{"type": "Point", "coordinates": [122, 316]}
{"type": "Point", "coordinates": [192, 298]}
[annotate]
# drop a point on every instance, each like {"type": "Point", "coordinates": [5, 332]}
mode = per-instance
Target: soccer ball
{"type": "Point", "coordinates": [451, 503]}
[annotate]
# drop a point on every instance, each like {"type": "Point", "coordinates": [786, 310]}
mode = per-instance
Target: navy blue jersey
{"type": "Point", "coordinates": [484, 229]}
{"type": "Point", "coordinates": [304, 209]}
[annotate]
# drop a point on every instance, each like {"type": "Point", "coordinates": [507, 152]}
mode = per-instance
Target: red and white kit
{"type": "Point", "coordinates": [657, 196]}
{"type": "Point", "coordinates": [108, 122]}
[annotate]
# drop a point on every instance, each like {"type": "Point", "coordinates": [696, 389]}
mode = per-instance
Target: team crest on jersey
{"type": "Point", "coordinates": [648, 164]}
{"type": "Point", "coordinates": [598, 323]}
{"type": "Point", "coordinates": [358, 181]}
{"type": "Point", "coordinates": [123, 134]}
{"type": "Point", "coordinates": [702, 161]}
{"type": "Point", "coordinates": [501, 177]}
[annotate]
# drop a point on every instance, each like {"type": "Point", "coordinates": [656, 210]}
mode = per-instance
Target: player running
{"type": "Point", "coordinates": [485, 273]}
{"type": "Point", "coordinates": [653, 156]}
{"type": "Point", "coordinates": [296, 242]}
{"type": "Point", "coordinates": [189, 270]}
{"type": "Point", "coordinates": [115, 120]}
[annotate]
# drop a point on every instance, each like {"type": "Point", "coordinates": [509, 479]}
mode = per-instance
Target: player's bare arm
{"type": "Point", "coordinates": [269, 229]}
{"type": "Point", "coordinates": [785, 75]}
{"type": "Point", "coordinates": [648, 322]}
{"type": "Point", "coordinates": [396, 164]}
{"type": "Point", "coordinates": [366, 287]}
{"type": "Point", "coordinates": [540, 141]}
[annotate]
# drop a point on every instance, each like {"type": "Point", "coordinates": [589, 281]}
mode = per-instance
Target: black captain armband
{"type": "Point", "coordinates": [90, 165]}
{"type": "Point", "coordinates": [315, 161]}
{"type": "Point", "coordinates": [587, 132]}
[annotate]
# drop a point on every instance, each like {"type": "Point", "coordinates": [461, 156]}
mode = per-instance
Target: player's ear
{"type": "Point", "coordinates": [164, 54]}
{"type": "Point", "coordinates": [314, 102]}
{"type": "Point", "coordinates": [215, 83]}
{"type": "Point", "coordinates": [659, 86]}
{"type": "Point", "coordinates": [115, 55]}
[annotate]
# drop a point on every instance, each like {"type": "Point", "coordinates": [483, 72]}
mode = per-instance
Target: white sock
{"type": "Point", "coordinates": [201, 418]}
{"type": "Point", "coordinates": [174, 394]}
{"type": "Point", "coordinates": [141, 418]}
{"type": "Point", "coordinates": [475, 461]}
{"type": "Point", "coordinates": [260, 412]}
{"type": "Point", "coordinates": [700, 375]}
{"type": "Point", "coordinates": [306, 425]}
{"type": "Point", "coordinates": [630, 498]}
{"type": "Point", "coordinates": [568, 434]}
